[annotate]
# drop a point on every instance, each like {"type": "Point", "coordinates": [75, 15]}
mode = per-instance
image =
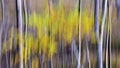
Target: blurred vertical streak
{"type": "Point", "coordinates": [72, 52]}
{"type": "Point", "coordinates": [110, 23]}
{"type": "Point", "coordinates": [118, 8]}
{"type": "Point", "coordinates": [59, 47]}
{"type": "Point", "coordinates": [19, 21]}
{"type": "Point", "coordinates": [87, 50]}
{"type": "Point", "coordinates": [26, 23]}
{"type": "Point", "coordinates": [84, 59]}
{"type": "Point", "coordinates": [117, 22]}
{"type": "Point", "coordinates": [74, 49]}
{"type": "Point", "coordinates": [96, 29]}
{"type": "Point", "coordinates": [104, 11]}
{"type": "Point", "coordinates": [0, 43]}
{"type": "Point", "coordinates": [79, 12]}
{"type": "Point", "coordinates": [107, 45]}
{"type": "Point", "coordinates": [1, 31]}
{"type": "Point", "coordinates": [107, 39]}
{"type": "Point", "coordinates": [28, 7]}
{"type": "Point", "coordinates": [50, 9]}
{"type": "Point", "coordinates": [11, 43]}
{"type": "Point", "coordinates": [5, 28]}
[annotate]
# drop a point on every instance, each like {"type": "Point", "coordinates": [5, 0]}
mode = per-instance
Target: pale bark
{"type": "Point", "coordinates": [87, 51]}
{"type": "Point", "coordinates": [80, 11]}
{"type": "Point", "coordinates": [19, 13]}
{"type": "Point", "coordinates": [96, 28]}
{"type": "Point", "coordinates": [118, 8]}
{"type": "Point", "coordinates": [74, 49]}
{"type": "Point", "coordinates": [102, 30]}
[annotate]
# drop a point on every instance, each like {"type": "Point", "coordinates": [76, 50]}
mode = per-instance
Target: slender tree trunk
{"type": "Point", "coordinates": [102, 30]}
{"type": "Point", "coordinates": [107, 45]}
{"type": "Point", "coordinates": [1, 30]}
{"type": "Point", "coordinates": [74, 49]}
{"type": "Point", "coordinates": [28, 11]}
{"type": "Point", "coordinates": [84, 59]}
{"type": "Point", "coordinates": [80, 11]}
{"type": "Point", "coordinates": [96, 28]}
{"type": "Point", "coordinates": [87, 51]}
{"type": "Point", "coordinates": [19, 21]}
{"type": "Point", "coordinates": [26, 23]}
{"type": "Point", "coordinates": [108, 48]}
{"type": "Point", "coordinates": [118, 8]}
{"type": "Point", "coordinates": [11, 44]}
{"type": "Point", "coordinates": [110, 13]}
{"type": "Point", "coordinates": [50, 8]}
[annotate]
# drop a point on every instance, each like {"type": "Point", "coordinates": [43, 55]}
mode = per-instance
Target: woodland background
{"type": "Point", "coordinates": [59, 34]}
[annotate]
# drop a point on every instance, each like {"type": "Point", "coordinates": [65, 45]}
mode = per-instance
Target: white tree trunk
{"type": "Point", "coordinates": [96, 28]}
{"type": "Point", "coordinates": [19, 9]}
{"type": "Point", "coordinates": [79, 57]}
{"type": "Point", "coordinates": [102, 30]}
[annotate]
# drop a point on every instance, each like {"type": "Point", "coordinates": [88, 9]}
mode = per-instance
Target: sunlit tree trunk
{"type": "Point", "coordinates": [19, 21]}
{"type": "Point", "coordinates": [80, 11]}
{"type": "Point", "coordinates": [102, 30]}
{"type": "Point", "coordinates": [96, 28]}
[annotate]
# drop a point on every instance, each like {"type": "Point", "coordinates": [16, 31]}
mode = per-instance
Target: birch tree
{"type": "Point", "coordinates": [110, 24]}
{"type": "Point", "coordinates": [19, 21]}
{"type": "Point", "coordinates": [109, 28]}
{"type": "Point", "coordinates": [96, 27]}
{"type": "Point", "coordinates": [80, 11]}
{"type": "Point", "coordinates": [26, 23]}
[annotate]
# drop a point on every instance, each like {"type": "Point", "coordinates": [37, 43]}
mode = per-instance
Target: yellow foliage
{"type": "Point", "coordinates": [33, 19]}
{"type": "Point", "coordinates": [61, 24]}
{"type": "Point", "coordinates": [35, 62]}
{"type": "Point", "coordinates": [52, 47]}
{"type": "Point", "coordinates": [35, 46]}
{"type": "Point", "coordinates": [29, 42]}
{"type": "Point", "coordinates": [71, 26]}
{"type": "Point", "coordinates": [87, 23]}
{"type": "Point", "coordinates": [93, 38]}
{"type": "Point", "coordinates": [52, 14]}
{"type": "Point", "coordinates": [44, 43]}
